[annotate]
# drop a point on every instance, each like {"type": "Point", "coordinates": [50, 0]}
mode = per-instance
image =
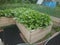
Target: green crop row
{"type": "Point", "coordinates": [32, 19]}
{"type": "Point", "coordinates": [17, 1]}
{"type": "Point", "coordinates": [53, 12]}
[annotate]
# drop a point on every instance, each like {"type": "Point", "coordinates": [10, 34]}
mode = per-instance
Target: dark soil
{"type": "Point", "coordinates": [11, 35]}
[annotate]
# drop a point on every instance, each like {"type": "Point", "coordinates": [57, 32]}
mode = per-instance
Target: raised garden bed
{"type": "Point", "coordinates": [19, 25]}
{"type": "Point", "coordinates": [22, 28]}
{"type": "Point", "coordinates": [33, 24]}
{"type": "Point", "coordinates": [33, 36]}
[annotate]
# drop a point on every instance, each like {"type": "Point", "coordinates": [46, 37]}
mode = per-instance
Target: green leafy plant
{"type": "Point", "coordinates": [32, 19]}
{"type": "Point", "coordinates": [6, 13]}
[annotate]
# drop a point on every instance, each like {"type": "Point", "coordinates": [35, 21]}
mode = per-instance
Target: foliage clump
{"type": "Point", "coordinates": [32, 19]}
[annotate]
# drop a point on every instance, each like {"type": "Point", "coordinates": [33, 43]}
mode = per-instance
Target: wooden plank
{"type": "Point", "coordinates": [23, 38]}
{"type": "Point", "coordinates": [56, 21]}
{"type": "Point", "coordinates": [24, 31]}
{"type": "Point", "coordinates": [4, 21]}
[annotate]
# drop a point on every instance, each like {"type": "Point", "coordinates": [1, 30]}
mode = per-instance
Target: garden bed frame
{"type": "Point", "coordinates": [5, 21]}
{"type": "Point", "coordinates": [34, 36]}
{"type": "Point", "coordinates": [56, 21]}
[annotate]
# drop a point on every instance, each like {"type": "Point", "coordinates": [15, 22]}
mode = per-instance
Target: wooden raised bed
{"type": "Point", "coordinates": [56, 21]}
{"type": "Point", "coordinates": [4, 21]}
{"type": "Point", "coordinates": [34, 36]}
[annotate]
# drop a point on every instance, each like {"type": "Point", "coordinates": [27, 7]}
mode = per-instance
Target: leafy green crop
{"type": "Point", "coordinates": [32, 19]}
{"type": "Point", "coordinates": [6, 13]}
